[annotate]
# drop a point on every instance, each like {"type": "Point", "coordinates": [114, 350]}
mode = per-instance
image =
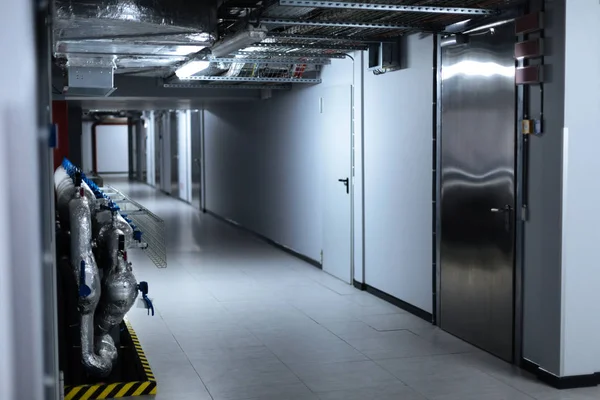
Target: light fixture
{"type": "Point", "coordinates": [488, 26]}
{"type": "Point", "coordinates": [238, 41]}
{"type": "Point", "coordinates": [191, 67]}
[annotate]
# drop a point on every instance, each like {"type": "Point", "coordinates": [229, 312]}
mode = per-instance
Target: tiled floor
{"type": "Point", "coordinates": [240, 320]}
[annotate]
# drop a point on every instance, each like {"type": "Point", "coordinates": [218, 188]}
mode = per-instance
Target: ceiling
{"type": "Point", "coordinates": [153, 41]}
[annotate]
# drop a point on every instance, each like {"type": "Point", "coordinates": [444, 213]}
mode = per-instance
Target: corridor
{"type": "Point", "coordinates": [240, 320]}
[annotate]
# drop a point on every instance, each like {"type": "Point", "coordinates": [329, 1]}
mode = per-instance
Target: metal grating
{"type": "Point", "coordinates": [434, 21]}
{"type": "Point", "coordinates": [152, 227]}
{"type": "Point", "coordinates": [252, 79]}
{"type": "Point", "coordinates": [250, 86]}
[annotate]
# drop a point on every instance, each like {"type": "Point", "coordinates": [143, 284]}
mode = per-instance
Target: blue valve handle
{"type": "Point", "coordinates": [143, 287]}
{"type": "Point", "coordinates": [84, 290]}
{"type": "Point", "coordinates": [149, 304]}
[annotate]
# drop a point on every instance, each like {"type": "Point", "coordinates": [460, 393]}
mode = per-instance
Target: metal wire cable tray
{"type": "Point", "coordinates": [152, 227]}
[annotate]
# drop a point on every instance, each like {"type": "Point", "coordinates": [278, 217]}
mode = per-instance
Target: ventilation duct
{"type": "Point", "coordinates": [140, 34]}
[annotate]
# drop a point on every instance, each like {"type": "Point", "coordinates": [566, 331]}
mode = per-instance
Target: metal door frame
{"type": "Point", "coordinates": [519, 214]}
{"type": "Point", "coordinates": [196, 159]}
{"type": "Point", "coordinates": [174, 189]}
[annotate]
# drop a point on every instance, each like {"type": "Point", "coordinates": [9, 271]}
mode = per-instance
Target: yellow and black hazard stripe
{"type": "Point", "coordinates": [141, 355]}
{"type": "Point", "coordinates": [120, 389]}
{"type": "Point", "coordinates": [110, 391]}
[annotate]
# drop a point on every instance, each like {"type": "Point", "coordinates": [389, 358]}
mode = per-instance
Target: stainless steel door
{"type": "Point", "coordinates": [174, 137]}
{"type": "Point", "coordinates": [478, 191]}
{"type": "Point", "coordinates": [196, 163]}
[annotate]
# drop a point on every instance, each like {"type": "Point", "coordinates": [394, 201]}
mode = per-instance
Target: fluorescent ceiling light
{"type": "Point", "coordinates": [488, 26]}
{"type": "Point", "coordinates": [238, 41]}
{"type": "Point", "coordinates": [190, 68]}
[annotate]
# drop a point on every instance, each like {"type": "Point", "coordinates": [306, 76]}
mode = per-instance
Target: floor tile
{"type": "Point", "coordinates": [296, 391]}
{"type": "Point", "coordinates": [197, 342]}
{"type": "Point", "coordinates": [522, 380]}
{"type": "Point", "coordinates": [349, 329]}
{"type": "Point", "coordinates": [391, 322]}
{"type": "Point", "coordinates": [449, 378]}
{"type": "Point", "coordinates": [342, 375]}
{"type": "Point", "coordinates": [395, 344]}
{"type": "Point", "coordinates": [261, 376]}
{"type": "Point", "coordinates": [307, 351]}
{"type": "Point", "coordinates": [444, 340]}
{"type": "Point", "coordinates": [385, 391]}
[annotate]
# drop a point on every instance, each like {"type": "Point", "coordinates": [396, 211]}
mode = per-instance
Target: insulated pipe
{"type": "Point", "coordinates": [105, 219]}
{"type": "Point", "coordinates": [64, 184]}
{"type": "Point", "coordinates": [119, 290]}
{"type": "Point", "coordinates": [74, 207]}
{"type": "Point", "coordinates": [64, 187]}
{"type": "Point", "coordinates": [88, 281]}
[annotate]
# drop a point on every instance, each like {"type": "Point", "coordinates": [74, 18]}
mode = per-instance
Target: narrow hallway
{"type": "Point", "coordinates": [237, 319]}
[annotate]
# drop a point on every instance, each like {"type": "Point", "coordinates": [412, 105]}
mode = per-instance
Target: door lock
{"type": "Point", "coordinates": [346, 183]}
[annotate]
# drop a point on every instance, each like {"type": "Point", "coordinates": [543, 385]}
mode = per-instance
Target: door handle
{"type": "Point", "coordinates": [346, 183]}
{"type": "Point", "coordinates": [506, 210]}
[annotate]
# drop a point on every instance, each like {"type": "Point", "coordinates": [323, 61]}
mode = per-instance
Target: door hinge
{"type": "Point", "coordinates": [321, 257]}
{"type": "Point", "coordinates": [524, 213]}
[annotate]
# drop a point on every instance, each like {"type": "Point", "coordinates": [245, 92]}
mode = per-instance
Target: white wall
{"type": "Point", "coordinates": [581, 191]}
{"type": "Point", "coordinates": [398, 177]}
{"type": "Point", "coordinates": [263, 169]}
{"type": "Point", "coordinates": [111, 148]}
{"type": "Point", "coordinates": [22, 329]}
{"type": "Point", "coordinates": [86, 146]}
{"type": "Point", "coordinates": [264, 164]}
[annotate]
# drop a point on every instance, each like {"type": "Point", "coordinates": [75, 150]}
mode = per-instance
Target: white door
{"type": "Point", "coordinates": [336, 114]}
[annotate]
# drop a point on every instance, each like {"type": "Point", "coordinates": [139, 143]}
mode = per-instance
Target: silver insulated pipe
{"type": "Point", "coordinates": [119, 289]}
{"type": "Point", "coordinates": [74, 206]}
{"type": "Point", "coordinates": [107, 287]}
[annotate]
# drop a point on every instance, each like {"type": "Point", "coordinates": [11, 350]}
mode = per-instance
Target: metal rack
{"type": "Point", "coordinates": [152, 227]}
{"type": "Point", "coordinates": [256, 72]}
{"type": "Point", "coordinates": [252, 79]}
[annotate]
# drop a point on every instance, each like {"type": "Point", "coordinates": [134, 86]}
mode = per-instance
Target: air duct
{"type": "Point", "coordinates": [132, 33]}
